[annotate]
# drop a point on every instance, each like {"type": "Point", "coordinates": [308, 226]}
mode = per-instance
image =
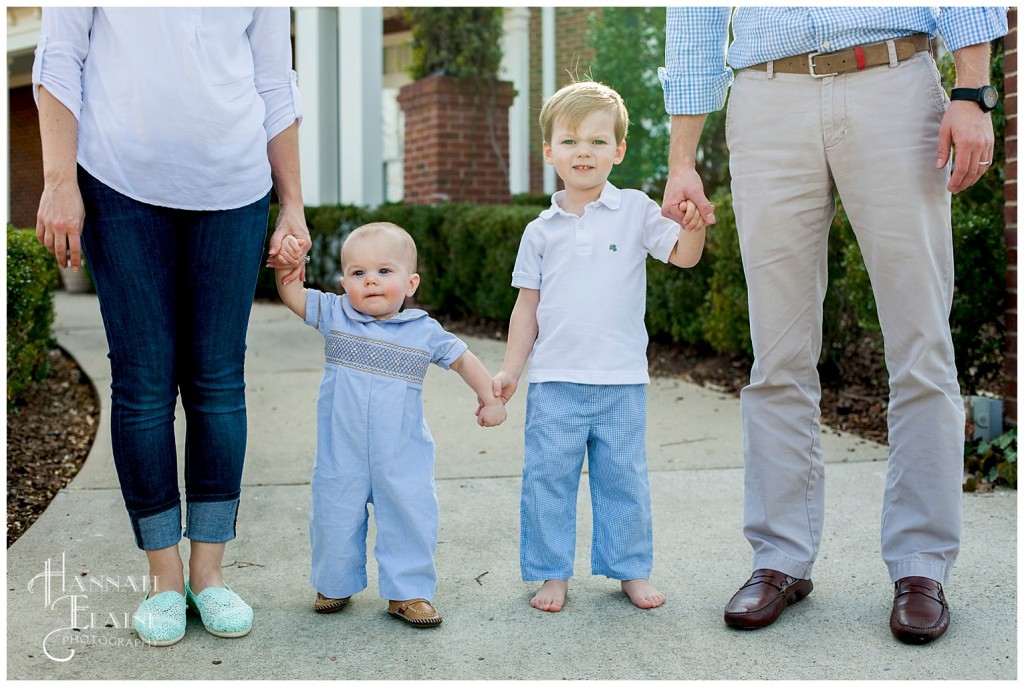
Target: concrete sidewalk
{"type": "Point", "coordinates": [78, 564]}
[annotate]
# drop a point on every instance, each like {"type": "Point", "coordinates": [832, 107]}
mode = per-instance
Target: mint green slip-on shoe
{"type": "Point", "coordinates": [160, 620]}
{"type": "Point", "coordinates": [223, 612]}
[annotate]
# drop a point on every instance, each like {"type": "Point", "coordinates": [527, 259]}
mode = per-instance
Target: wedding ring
{"type": "Point", "coordinates": [984, 162]}
{"type": "Point", "coordinates": [307, 259]}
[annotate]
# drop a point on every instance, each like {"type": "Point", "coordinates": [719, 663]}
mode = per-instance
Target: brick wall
{"type": "Point", "coordinates": [449, 154]}
{"type": "Point", "coordinates": [25, 158]}
{"type": "Point", "coordinates": [1010, 87]}
{"type": "Point", "coordinates": [572, 61]}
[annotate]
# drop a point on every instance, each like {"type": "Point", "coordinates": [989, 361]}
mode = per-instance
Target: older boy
{"type": "Point", "coordinates": [579, 318]}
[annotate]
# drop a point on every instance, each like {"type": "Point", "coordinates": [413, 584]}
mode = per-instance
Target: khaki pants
{"type": "Point", "coordinates": [871, 135]}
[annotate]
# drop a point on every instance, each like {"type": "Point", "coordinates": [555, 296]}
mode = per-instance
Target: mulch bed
{"type": "Point", "coordinates": [48, 437]}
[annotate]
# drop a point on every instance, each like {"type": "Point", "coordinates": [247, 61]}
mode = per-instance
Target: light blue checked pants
{"type": "Point", "coordinates": [607, 423]}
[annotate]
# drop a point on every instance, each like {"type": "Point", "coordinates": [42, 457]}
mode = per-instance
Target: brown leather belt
{"type": "Point", "coordinates": [820, 65]}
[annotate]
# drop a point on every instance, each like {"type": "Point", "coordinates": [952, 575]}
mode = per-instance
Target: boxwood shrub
{"type": "Point", "coordinates": [31, 280]}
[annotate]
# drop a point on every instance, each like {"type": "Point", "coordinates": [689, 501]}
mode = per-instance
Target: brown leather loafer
{"type": "Point", "coordinates": [416, 612]}
{"type": "Point", "coordinates": [764, 597]}
{"type": "Point", "coordinates": [324, 604]}
{"type": "Point", "coordinates": [919, 610]}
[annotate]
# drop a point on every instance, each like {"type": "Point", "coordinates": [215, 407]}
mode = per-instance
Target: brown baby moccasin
{"type": "Point", "coordinates": [416, 612]}
{"type": "Point", "coordinates": [326, 605]}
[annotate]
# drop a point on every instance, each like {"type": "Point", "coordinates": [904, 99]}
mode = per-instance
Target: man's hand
{"type": "Point", "coordinates": [968, 130]}
{"type": "Point", "coordinates": [683, 181]}
{"type": "Point", "coordinates": [685, 185]}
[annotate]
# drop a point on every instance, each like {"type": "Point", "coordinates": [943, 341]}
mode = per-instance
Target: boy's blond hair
{"type": "Point", "coordinates": [575, 101]}
{"type": "Point", "coordinates": [406, 245]}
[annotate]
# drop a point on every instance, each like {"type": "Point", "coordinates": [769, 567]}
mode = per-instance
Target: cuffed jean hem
{"type": "Point", "coordinates": [940, 572]}
{"type": "Point", "coordinates": [784, 565]}
{"type": "Point", "coordinates": [158, 531]}
{"type": "Point", "coordinates": [211, 522]}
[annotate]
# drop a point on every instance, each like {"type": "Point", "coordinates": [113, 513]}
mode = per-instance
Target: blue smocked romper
{"type": "Point", "coordinates": [373, 446]}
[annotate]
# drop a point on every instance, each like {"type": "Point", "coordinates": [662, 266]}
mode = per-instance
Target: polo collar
{"type": "Point", "coordinates": [610, 197]}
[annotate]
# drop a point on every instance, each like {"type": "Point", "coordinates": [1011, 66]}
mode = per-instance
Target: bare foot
{"type": "Point", "coordinates": [642, 593]}
{"type": "Point", "coordinates": [551, 596]}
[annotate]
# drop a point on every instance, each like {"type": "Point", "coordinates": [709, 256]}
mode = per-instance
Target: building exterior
{"type": "Point", "coordinates": [1010, 85]}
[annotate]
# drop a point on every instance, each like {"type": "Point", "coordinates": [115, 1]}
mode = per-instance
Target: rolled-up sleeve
{"type": "Point", "coordinates": [276, 81]}
{"type": "Point", "coordinates": [964, 26]}
{"type": "Point", "coordinates": [695, 77]}
{"type": "Point", "coordinates": [61, 53]}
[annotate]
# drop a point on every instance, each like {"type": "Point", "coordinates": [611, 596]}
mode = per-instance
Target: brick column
{"type": "Point", "coordinates": [1010, 87]}
{"type": "Point", "coordinates": [456, 141]}
{"type": "Point", "coordinates": [25, 158]}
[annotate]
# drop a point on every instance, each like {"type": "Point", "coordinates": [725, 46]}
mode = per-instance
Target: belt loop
{"type": "Point", "coordinates": [893, 60]}
{"type": "Point", "coordinates": [771, 69]}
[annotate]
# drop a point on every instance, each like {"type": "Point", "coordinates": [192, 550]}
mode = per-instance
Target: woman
{"type": "Point", "coordinates": [163, 130]}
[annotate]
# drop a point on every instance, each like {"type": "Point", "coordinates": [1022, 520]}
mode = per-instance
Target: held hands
{"type": "Point", "coordinates": [684, 194]}
{"type": "Point", "coordinates": [291, 223]}
{"type": "Point", "coordinates": [290, 253]}
{"type": "Point", "coordinates": [493, 414]}
{"type": "Point", "coordinates": [504, 386]}
{"type": "Point", "coordinates": [59, 222]}
{"type": "Point", "coordinates": [692, 220]}
{"type": "Point", "coordinates": [490, 415]}
{"type": "Point", "coordinates": [969, 130]}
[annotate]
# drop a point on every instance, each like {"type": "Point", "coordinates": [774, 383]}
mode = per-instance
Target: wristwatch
{"type": "Point", "coordinates": [986, 96]}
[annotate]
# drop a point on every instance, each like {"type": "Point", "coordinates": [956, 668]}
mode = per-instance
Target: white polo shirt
{"type": "Point", "coordinates": [175, 105]}
{"type": "Point", "coordinates": [592, 276]}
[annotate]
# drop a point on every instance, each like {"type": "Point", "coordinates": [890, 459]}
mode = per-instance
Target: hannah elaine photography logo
{"type": "Point", "coordinates": [81, 624]}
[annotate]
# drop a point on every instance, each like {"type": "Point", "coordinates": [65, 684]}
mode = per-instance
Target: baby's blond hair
{"type": "Point", "coordinates": [575, 101]}
{"type": "Point", "coordinates": [405, 243]}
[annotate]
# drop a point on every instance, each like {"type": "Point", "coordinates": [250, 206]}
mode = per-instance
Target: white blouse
{"type": "Point", "coordinates": [175, 106]}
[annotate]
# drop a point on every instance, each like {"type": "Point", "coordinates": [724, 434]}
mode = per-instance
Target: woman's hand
{"type": "Point", "coordinates": [291, 221]}
{"type": "Point", "coordinates": [59, 222]}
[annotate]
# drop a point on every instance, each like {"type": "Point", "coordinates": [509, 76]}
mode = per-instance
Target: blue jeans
{"type": "Point", "coordinates": [175, 289]}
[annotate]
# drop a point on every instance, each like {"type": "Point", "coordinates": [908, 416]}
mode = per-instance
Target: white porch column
{"type": "Point", "coordinates": [360, 69]}
{"type": "Point", "coordinates": [316, 45]}
{"type": "Point", "coordinates": [515, 67]}
{"type": "Point", "coordinates": [547, 32]}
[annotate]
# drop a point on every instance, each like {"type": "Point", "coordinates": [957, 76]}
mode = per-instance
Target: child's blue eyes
{"type": "Point", "coordinates": [570, 142]}
{"type": "Point", "coordinates": [382, 270]}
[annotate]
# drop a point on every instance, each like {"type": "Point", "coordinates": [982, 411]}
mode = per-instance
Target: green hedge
{"type": "Point", "coordinates": [466, 254]}
{"type": "Point", "coordinates": [31, 280]}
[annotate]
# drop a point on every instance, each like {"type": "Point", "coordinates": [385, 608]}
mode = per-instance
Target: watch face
{"type": "Point", "coordinates": [989, 96]}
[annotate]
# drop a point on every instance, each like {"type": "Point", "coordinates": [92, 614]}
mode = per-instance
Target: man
{"type": "Point", "coordinates": [829, 99]}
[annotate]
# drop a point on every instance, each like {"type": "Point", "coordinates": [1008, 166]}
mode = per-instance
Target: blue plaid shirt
{"type": "Point", "coordinates": [696, 76]}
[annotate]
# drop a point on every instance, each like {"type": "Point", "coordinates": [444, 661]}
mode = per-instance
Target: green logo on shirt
{"type": "Point", "coordinates": [612, 247]}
